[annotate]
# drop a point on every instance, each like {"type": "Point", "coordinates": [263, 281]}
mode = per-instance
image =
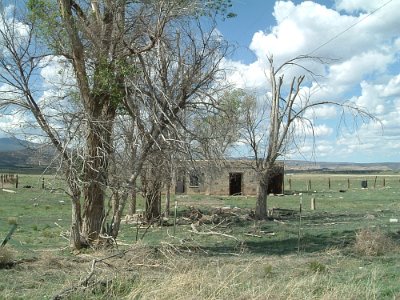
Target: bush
{"type": "Point", "coordinates": [372, 242]}
{"type": "Point", "coordinates": [6, 257]}
{"type": "Point", "coordinates": [316, 267]}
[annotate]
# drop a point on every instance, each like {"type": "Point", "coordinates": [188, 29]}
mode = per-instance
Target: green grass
{"type": "Point", "coordinates": [264, 260]}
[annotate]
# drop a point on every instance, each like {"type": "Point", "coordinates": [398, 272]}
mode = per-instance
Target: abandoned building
{"type": "Point", "coordinates": [232, 177]}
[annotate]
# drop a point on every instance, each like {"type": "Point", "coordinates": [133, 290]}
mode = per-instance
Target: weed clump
{"type": "Point", "coordinates": [6, 257]}
{"type": "Point", "coordinates": [316, 267]}
{"type": "Point", "coordinates": [12, 221]}
{"type": "Point", "coordinates": [372, 243]}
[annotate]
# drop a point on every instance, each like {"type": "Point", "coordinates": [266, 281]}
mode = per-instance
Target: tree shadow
{"type": "Point", "coordinates": [314, 236]}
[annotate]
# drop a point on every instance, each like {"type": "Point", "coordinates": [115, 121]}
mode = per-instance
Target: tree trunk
{"type": "Point", "coordinates": [96, 170]}
{"type": "Point", "coordinates": [151, 179]}
{"type": "Point", "coordinates": [118, 207]}
{"type": "Point", "coordinates": [153, 205]}
{"type": "Point", "coordinates": [261, 204]}
{"type": "Point", "coordinates": [75, 238]}
{"type": "Point", "coordinates": [93, 211]}
{"type": "Point", "coordinates": [132, 202]}
{"type": "Point", "coordinates": [168, 199]}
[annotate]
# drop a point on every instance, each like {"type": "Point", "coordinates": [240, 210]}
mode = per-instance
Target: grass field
{"type": "Point", "coordinates": [347, 248]}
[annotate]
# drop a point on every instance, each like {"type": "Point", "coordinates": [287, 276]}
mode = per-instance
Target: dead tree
{"type": "Point", "coordinates": [274, 125]}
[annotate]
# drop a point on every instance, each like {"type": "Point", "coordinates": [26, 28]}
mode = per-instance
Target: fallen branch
{"type": "Point", "coordinates": [84, 283]}
{"type": "Point", "coordinates": [280, 222]}
{"type": "Point", "coordinates": [253, 235]}
{"type": "Point", "coordinates": [194, 230]}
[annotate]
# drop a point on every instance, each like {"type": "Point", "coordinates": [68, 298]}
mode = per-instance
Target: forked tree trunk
{"type": "Point", "coordinates": [118, 204]}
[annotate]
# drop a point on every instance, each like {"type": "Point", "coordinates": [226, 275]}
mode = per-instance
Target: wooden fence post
{"type": "Point", "coordinates": [16, 181]}
{"type": "Point", "coordinates": [290, 183]}
{"type": "Point", "coordinates": [384, 182]}
{"type": "Point", "coordinates": [43, 183]}
{"type": "Point", "coordinates": [312, 203]}
{"type": "Point", "coordinates": [329, 182]}
{"type": "Point", "coordinates": [309, 185]}
{"type": "Point", "coordinates": [348, 183]}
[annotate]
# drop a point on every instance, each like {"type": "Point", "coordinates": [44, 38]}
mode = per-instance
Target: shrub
{"type": "Point", "coordinates": [371, 242]}
{"type": "Point", "coordinates": [6, 257]}
{"type": "Point", "coordinates": [12, 221]}
{"type": "Point", "coordinates": [316, 266]}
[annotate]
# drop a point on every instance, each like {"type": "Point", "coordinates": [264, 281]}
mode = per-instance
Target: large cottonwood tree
{"type": "Point", "coordinates": [104, 43]}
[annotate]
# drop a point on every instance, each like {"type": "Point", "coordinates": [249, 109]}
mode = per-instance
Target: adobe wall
{"type": "Point", "coordinates": [215, 180]}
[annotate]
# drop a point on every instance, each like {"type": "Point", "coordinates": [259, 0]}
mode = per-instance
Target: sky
{"type": "Point", "coordinates": [361, 39]}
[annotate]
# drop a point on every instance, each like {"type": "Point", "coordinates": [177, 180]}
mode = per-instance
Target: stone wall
{"type": "Point", "coordinates": [234, 177]}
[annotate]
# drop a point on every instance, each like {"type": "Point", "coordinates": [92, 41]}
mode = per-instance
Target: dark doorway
{"type": "Point", "coordinates": [180, 186]}
{"type": "Point", "coordinates": [235, 184]}
{"type": "Point", "coordinates": [275, 185]}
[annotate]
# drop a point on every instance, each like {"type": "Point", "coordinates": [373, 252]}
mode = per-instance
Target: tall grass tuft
{"type": "Point", "coordinates": [6, 257]}
{"type": "Point", "coordinates": [373, 242]}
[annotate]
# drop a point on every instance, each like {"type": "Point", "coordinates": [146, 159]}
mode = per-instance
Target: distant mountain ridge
{"type": "Point", "coordinates": [14, 144]}
{"type": "Point", "coordinates": [16, 153]}
{"type": "Point", "coordinates": [298, 165]}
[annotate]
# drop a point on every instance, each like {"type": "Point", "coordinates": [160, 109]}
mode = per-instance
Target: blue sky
{"type": "Point", "coordinates": [363, 37]}
{"type": "Point", "coordinates": [364, 40]}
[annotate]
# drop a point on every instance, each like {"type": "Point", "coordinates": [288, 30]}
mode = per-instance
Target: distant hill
{"type": "Point", "coordinates": [14, 144]}
{"type": "Point", "coordinates": [17, 154]}
{"type": "Point", "coordinates": [340, 167]}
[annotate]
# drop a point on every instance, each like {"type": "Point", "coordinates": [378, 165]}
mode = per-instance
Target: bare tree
{"type": "Point", "coordinates": [104, 43]}
{"type": "Point", "coordinates": [272, 127]}
{"type": "Point", "coordinates": [180, 75]}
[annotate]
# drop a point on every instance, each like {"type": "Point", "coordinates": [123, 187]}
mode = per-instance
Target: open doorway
{"type": "Point", "coordinates": [180, 186]}
{"type": "Point", "coordinates": [235, 184]}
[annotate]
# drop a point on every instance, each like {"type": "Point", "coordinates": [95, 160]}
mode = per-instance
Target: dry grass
{"type": "Point", "coordinates": [174, 272]}
{"type": "Point", "coordinates": [6, 257]}
{"type": "Point", "coordinates": [237, 278]}
{"type": "Point", "coordinates": [373, 242]}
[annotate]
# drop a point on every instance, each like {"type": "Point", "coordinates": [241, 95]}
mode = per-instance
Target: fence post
{"type": "Point", "coordinates": [309, 185]}
{"type": "Point", "coordinates": [384, 182]}
{"type": "Point", "coordinates": [348, 183]}
{"type": "Point", "coordinates": [329, 182]}
{"type": "Point", "coordinates": [290, 183]}
{"type": "Point", "coordinates": [312, 203]}
{"type": "Point", "coordinates": [43, 183]}
{"type": "Point", "coordinates": [16, 181]}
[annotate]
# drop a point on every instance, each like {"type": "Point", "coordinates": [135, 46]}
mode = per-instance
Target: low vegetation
{"type": "Point", "coordinates": [373, 242]}
{"type": "Point", "coordinates": [348, 248]}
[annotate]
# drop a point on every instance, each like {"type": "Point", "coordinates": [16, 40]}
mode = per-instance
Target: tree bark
{"type": "Point", "coordinates": [153, 205]}
{"type": "Point", "coordinates": [132, 202]}
{"type": "Point", "coordinates": [168, 199]}
{"type": "Point", "coordinates": [152, 185]}
{"type": "Point", "coordinates": [118, 203]}
{"type": "Point", "coordinates": [75, 238]}
{"type": "Point", "coordinates": [96, 169]}
{"type": "Point", "coordinates": [261, 204]}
